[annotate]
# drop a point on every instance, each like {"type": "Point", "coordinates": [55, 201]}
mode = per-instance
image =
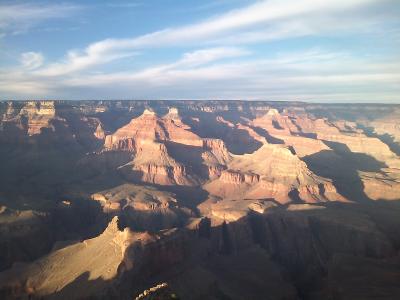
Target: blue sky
{"type": "Point", "coordinates": [306, 50]}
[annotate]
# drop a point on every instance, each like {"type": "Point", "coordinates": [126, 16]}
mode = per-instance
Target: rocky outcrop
{"type": "Point", "coordinates": [275, 123]}
{"type": "Point", "coordinates": [215, 152]}
{"type": "Point", "coordinates": [384, 186]}
{"type": "Point", "coordinates": [222, 199]}
{"type": "Point", "coordinates": [277, 173]}
{"type": "Point", "coordinates": [239, 178]}
{"type": "Point", "coordinates": [147, 137]}
{"type": "Point", "coordinates": [75, 268]}
{"type": "Point", "coordinates": [99, 133]}
{"type": "Point", "coordinates": [142, 208]}
{"type": "Point", "coordinates": [39, 115]}
{"type": "Point", "coordinates": [149, 127]}
{"type": "Point", "coordinates": [153, 164]}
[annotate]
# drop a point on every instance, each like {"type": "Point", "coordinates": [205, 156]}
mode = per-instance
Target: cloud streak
{"type": "Point", "coordinates": [217, 59]}
{"type": "Point", "coordinates": [313, 74]}
{"type": "Point", "coordinates": [229, 27]}
{"type": "Point", "coordinates": [31, 60]}
{"type": "Point", "coordinates": [19, 18]}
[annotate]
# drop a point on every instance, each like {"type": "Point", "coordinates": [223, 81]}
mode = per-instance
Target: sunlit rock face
{"type": "Point", "coordinates": [39, 115]}
{"type": "Point", "coordinates": [219, 199]}
{"type": "Point", "coordinates": [97, 259]}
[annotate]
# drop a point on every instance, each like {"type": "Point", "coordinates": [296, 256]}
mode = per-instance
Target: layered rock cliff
{"type": "Point", "coordinates": [230, 199]}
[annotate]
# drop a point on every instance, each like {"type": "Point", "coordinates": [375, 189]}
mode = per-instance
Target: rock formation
{"type": "Point", "coordinates": [218, 199]}
{"type": "Point", "coordinates": [39, 115]}
{"type": "Point", "coordinates": [97, 259]}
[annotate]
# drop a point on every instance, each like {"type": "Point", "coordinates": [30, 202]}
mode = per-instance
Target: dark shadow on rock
{"type": "Point", "coordinates": [190, 157]}
{"type": "Point", "coordinates": [281, 254]}
{"type": "Point", "coordinates": [85, 288]}
{"type": "Point", "coordinates": [360, 161]}
{"type": "Point", "coordinates": [294, 196]}
{"type": "Point", "coordinates": [384, 138]}
{"type": "Point", "coordinates": [237, 140]}
{"type": "Point", "coordinates": [188, 196]}
{"type": "Point", "coordinates": [342, 166]}
{"type": "Point", "coordinates": [277, 125]}
{"type": "Point", "coordinates": [269, 138]}
{"type": "Point", "coordinates": [152, 220]}
{"type": "Point", "coordinates": [307, 135]}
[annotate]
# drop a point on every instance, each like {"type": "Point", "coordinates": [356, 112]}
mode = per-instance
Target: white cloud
{"type": "Point", "coordinates": [204, 56]}
{"type": "Point", "coordinates": [278, 19]}
{"type": "Point", "coordinates": [31, 60]}
{"type": "Point", "coordinates": [221, 68]}
{"type": "Point", "coordinates": [305, 75]}
{"type": "Point", "coordinates": [18, 18]}
{"type": "Point", "coordinates": [75, 62]}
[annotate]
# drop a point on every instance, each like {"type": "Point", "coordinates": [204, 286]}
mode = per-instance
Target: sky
{"type": "Point", "coordinates": [292, 50]}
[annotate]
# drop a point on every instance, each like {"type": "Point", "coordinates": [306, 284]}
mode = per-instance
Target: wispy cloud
{"type": "Point", "coordinates": [31, 60]}
{"type": "Point", "coordinates": [221, 63]}
{"type": "Point", "coordinates": [20, 17]}
{"type": "Point", "coordinates": [258, 22]}
{"type": "Point", "coordinates": [314, 74]}
{"type": "Point", "coordinates": [306, 75]}
{"type": "Point", "coordinates": [74, 61]}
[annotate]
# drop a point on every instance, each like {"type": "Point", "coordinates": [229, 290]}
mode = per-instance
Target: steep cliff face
{"type": "Point", "coordinates": [149, 127]}
{"type": "Point", "coordinates": [239, 178]}
{"type": "Point", "coordinates": [153, 164]}
{"type": "Point", "coordinates": [215, 152]}
{"type": "Point", "coordinates": [157, 144]}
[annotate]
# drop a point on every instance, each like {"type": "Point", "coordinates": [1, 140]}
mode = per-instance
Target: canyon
{"type": "Point", "coordinates": [199, 200]}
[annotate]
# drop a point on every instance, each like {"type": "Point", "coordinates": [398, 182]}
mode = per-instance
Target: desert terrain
{"type": "Point", "coordinates": [199, 200]}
